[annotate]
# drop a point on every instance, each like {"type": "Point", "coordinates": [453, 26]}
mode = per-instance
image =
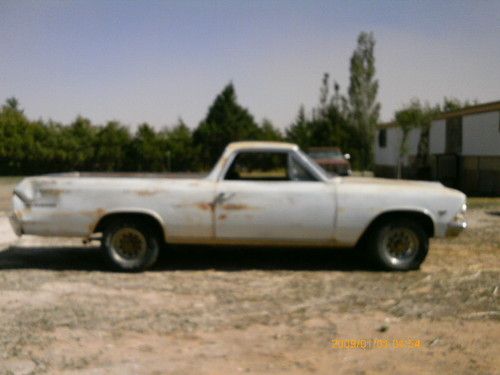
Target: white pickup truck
{"type": "Point", "coordinates": [259, 193]}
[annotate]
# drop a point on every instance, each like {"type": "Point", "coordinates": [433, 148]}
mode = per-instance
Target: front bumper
{"type": "Point", "coordinates": [455, 228]}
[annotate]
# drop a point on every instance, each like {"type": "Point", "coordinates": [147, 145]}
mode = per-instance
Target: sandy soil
{"type": "Point", "coordinates": [206, 310]}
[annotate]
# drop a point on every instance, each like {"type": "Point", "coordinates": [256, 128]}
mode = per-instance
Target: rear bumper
{"type": "Point", "coordinates": [16, 224]}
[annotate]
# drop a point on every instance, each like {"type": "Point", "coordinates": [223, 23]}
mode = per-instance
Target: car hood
{"type": "Point", "coordinates": [386, 193]}
{"type": "Point", "coordinates": [392, 182]}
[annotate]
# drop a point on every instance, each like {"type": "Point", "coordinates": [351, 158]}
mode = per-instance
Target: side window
{"type": "Point", "coordinates": [259, 166]}
{"type": "Point", "coordinates": [298, 172]}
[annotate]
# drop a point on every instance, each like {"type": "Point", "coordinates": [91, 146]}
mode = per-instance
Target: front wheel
{"type": "Point", "coordinates": [130, 245]}
{"type": "Point", "coordinates": [399, 245]}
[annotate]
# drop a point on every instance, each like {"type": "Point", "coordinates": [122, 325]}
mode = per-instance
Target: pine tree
{"type": "Point", "coordinates": [226, 121]}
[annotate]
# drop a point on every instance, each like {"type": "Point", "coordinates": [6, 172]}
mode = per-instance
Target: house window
{"type": "Point", "coordinates": [382, 138]}
{"type": "Point", "coordinates": [454, 135]}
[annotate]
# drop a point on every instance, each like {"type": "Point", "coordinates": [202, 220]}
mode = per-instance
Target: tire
{"type": "Point", "coordinates": [398, 245]}
{"type": "Point", "coordinates": [130, 245]}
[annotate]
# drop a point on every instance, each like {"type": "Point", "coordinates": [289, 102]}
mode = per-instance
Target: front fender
{"type": "Point", "coordinates": [106, 214]}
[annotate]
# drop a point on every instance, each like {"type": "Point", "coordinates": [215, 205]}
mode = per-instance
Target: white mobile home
{"type": "Point", "coordinates": [464, 150]}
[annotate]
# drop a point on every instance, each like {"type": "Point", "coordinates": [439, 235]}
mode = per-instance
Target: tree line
{"type": "Point", "coordinates": [344, 120]}
{"type": "Point", "coordinates": [32, 147]}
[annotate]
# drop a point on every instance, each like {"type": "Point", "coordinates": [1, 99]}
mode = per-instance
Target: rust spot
{"type": "Point", "coordinates": [200, 205]}
{"type": "Point", "coordinates": [231, 206]}
{"type": "Point", "coordinates": [146, 193]}
{"type": "Point", "coordinates": [222, 217]}
{"type": "Point", "coordinates": [205, 206]}
{"type": "Point", "coordinates": [90, 214]}
{"type": "Point", "coordinates": [55, 192]}
{"type": "Point", "coordinates": [93, 214]}
{"type": "Point", "coordinates": [50, 182]}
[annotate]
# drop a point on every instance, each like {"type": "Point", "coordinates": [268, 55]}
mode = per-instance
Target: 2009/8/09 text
{"type": "Point", "coordinates": [376, 343]}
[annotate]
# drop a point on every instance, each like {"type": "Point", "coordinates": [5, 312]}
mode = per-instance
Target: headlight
{"type": "Point", "coordinates": [460, 216]}
{"type": "Point", "coordinates": [46, 197]}
{"type": "Point", "coordinates": [26, 200]}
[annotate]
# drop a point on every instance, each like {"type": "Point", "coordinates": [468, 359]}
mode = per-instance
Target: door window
{"type": "Point", "coordinates": [267, 166]}
{"type": "Point", "coordinates": [259, 166]}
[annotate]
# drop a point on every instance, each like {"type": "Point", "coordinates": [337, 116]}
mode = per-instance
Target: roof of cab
{"type": "Point", "coordinates": [260, 145]}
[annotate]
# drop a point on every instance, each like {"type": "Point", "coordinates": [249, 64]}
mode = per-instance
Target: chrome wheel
{"type": "Point", "coordinates": [129, 243]}
{"type": "Point", "coordinates": [400, 245]}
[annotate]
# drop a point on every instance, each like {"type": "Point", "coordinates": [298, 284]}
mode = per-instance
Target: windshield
{"type": "Point", "coordinates": [318, 169]}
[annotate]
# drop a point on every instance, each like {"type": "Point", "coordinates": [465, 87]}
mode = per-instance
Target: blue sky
{"type": "Point", "coordinates": [156, 61]}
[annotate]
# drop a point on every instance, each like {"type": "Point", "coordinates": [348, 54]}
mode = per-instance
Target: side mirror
{"type": "Point", "coordinates": [347, 156]}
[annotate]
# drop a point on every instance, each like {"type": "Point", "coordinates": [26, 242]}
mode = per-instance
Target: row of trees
{"type": "Point", "coordinates": [38, 147]}
{"type": "Point", "coordinates": [28, 147]}
{"type": "Point", "coordinates": [347, 121]}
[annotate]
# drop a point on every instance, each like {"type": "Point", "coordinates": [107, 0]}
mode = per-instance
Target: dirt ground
{"type": "Point", "coordinates": [205, 310]}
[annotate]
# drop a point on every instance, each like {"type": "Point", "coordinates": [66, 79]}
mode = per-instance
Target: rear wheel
{"type": "Point", "coordinates": [130, 245]}
{"type": "Point", "coordinates": [398, 245]}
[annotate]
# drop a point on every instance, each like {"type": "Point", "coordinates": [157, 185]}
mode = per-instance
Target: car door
{"type": "Point", "coordinates": [269, 196]}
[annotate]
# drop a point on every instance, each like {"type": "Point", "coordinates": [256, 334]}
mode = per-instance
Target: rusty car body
{"type": "Point", "coordinates": [258, 193]}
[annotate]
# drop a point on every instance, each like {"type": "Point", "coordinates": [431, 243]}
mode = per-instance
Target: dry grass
{"type": "Point", "coordinates": [211, 310]}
